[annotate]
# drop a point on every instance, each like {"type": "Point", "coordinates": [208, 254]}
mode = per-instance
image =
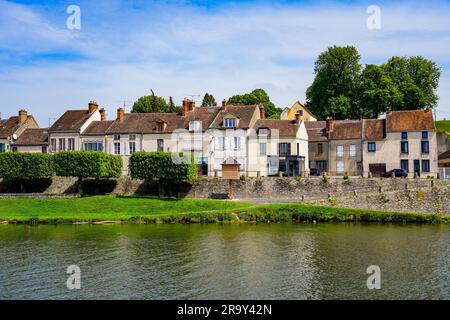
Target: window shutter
{"type": "Point", "coordinates": [226, 143]}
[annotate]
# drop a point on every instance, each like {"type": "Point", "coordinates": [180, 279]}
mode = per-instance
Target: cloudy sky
{"type": "Point", "coordinates": [182, 48]}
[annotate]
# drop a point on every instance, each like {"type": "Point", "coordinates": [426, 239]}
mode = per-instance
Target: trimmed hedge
{"type": "Point", "coordinates": [26, 166]}
{"type": "Point", "coordinates": [160, 166]}
{"type": "Point", "coordinates": [87, 164]}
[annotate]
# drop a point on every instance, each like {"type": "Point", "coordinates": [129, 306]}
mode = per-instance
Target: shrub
{"type": "Point", "coordinates": [87, 164]}
{"type": "Point", "coordinates": [242, 177]}
{"type": "Point", "coordinates": [24, 166]}
{"type": "Point", "coordinates": [324, 178]}
{"type": "Point", "coordinates": [346, 177]}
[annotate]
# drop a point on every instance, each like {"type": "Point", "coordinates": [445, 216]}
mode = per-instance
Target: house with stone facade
{"type": "Point", "coordinates": [12, 128]}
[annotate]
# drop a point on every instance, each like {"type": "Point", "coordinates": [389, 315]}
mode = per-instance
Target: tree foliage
{"type": "Point", "coordinates": [257, 96]}
{"type": "Point", "coordinates": [160, 166]}
{"type": "Point", "coordinates": [87, 164]}
{"type": "Point", "coordinates": [25, 166]}
{"type": "Point", "coordinates": [151, 103]}
{"type": "Point", "coordinates": [343, 90]}
{"type": "Point", "coordinates": [209, 100]}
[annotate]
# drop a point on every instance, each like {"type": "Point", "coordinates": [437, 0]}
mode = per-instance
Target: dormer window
{"type": "Point", "coordinates": [229, 123]}
{"type": "Point", "coordinates": [160, 126]}
{"type": "Point", "coordinates": [194, 125]}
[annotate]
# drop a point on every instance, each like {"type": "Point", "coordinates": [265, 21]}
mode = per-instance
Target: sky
{"type": "Point", "coordinates": [182, 48]}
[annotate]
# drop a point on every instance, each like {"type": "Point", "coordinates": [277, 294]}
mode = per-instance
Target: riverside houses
{"type": "Point", "coordinates": [12, 128]}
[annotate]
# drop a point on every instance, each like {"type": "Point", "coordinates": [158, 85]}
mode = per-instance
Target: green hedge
{"type": "Point", "coordinates": [25, 166]}
{"type": "Point", "coordinates": [159, 166]}
{"type": "Point", "coordinates": [87, 164]}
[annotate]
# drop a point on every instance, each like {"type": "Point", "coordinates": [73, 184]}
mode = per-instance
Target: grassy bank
{"type": "Point", "coordinates": [151, 210]}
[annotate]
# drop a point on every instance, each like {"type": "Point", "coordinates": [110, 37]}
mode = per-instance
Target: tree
{"type": "Point", "coordinates": [171, 106]}
{"type": "Point", "coordinates": [22, 166]}
{"type": "Point", "coordinates": [337, 74]}
{"type": "Point", "coordinates": [160, 166]}
{"type": "Point", "coordinates": [151, 103]}
{"type": "Point", "coordinates": [209, 100]}
{"type": "Point", "coordinates": [87, 164]}
{"type": "Point", "coordinates": [257, 96]}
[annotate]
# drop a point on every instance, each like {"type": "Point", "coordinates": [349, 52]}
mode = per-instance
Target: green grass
{"type": "Point", "coordinates": [151, 210]}
{"type": "Point", "coordinates": [443, 126]}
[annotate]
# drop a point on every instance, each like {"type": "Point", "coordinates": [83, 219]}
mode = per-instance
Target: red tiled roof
{"type": "Point", "coordinates": [204, 114]}
{"type": "Point", "coordinates": [9, 126]}
{"type": "Point", "coordinates": [146, 123]}
{"type": "Point", "coordinates": [71, 121]}
{"type": "Point", "coordinates": [286, 128]}
{"type": "Point", "coordinates": [374, 129]}
{"type": "Point", "coordinates": [33, 137]}
{"type": "Point", "coordinates": [98, 128]}
{"type": "Point", "coordinates": [243, 113]}
{"type": "Point", "coordinates": [316, 130]}
{"type": "Point", "coordinates": [412, 120]}
{"type": "Point", "coordinates": [445, 155]}
{"type": "Point", "coordinates": [346, 130]}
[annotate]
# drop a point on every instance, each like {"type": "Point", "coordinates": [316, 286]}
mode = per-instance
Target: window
{"type": "Point", "coordinates": [2, 147]}
{"type": "Point", "coordinates": [44, 149]}
{"type": "Point", "coordinates": [340, 167]}
{"type": "Point", "coordinates": [322, 165]}
{"type": "Point", "coordinates": [117, 137]}
{"type": "Point", "coordinates": [62, 144]}
{"type": "Point", "coordinates": [71, 144]}
{"type": "Point", "coordinates": [284, 148]}
{"type": "Point", "coordinates": [14, 149]}
{"type": "Point", "coordinates": [218, 163]}
{"type": "Point", "coordinates": [116, 147]}
{"type": "Point", "coordinates": [236, 143]}
{"type": "Point", "coordinates": [371, 147]}
{"type": "Point", "coordinates": [426, 165]}
{"type": "Point", "coordinates": [404, 147]}
{"type": "Point", "coordinates": [132, 147]}
{"type": "Point", "coordinates": [160, 126]}
{"type": "Point", "coordinates": [263, 132]}
{"type": "Point", "coordinates": [53, 145]}
{"type": "Point", "coordinates": [241, 161]}
{"type": "Point", "coordinates": [194, 125]}
{"type": "Point", "coordinates": [340, 151]}
{"type": "Point", "coordinates": [229, 123]}
{"type": "Point", "coordinates": [424, 134]}
{"type": "Point", "coordinates": [353, 150]}
{"type": "Point", "coordinates": [132, 137]}
{"type": "Point", "coordinates": [404, 164]}
{"type": "Point", "coordinates": [160, 145]}
{"type": "Point", "coordinates": [319, 148]}
{"type": "Point", "coordinates": [93, 146]}
{"type": "Point", "coordinates": [425, 146]}
{"type": "Point", "coordinates": [220, 143]}
{"type": "Point", "coordinates": [404, 135]}
{"type": "Point", "coordinates": [263, 149]}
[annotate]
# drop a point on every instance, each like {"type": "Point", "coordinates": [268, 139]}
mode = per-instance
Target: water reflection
{"type": "Point", "coordinates": [279, 261]}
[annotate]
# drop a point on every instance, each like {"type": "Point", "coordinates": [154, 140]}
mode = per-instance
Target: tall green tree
{"type": "Point", "coordinates": [336, 83]}
{"type": "Point", "coordinates": [209, 100]}
{"type": "Point", "coordinates": [257, 96]}
{"type": "Point", "coordinates": [151, 103]}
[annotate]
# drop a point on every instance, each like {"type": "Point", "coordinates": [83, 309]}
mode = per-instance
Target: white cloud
{"type": "Point", "coordinates": [180, 49]}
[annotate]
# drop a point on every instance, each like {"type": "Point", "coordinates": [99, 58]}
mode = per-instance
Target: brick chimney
{"type": "Point", "coordinates": [262, 112]}
{"type": "Point", "coordinates": [23, 116]}
{"type": "Point", "coordinates": [92, 106]}
{"type": "Point", "coordinates": [191, 105]}
{"type": "Point", "coordinates": [103, 114]}
{"type": "Point", "coordinates": [120, 114]}
{"type": "Point", "coordinates": [330, 125]}
{"type": "Point", "coordinates": [224, 102]}
{"type": "Point", "coordinates": [297, 117]}
{"type": "Point", "coordinates": [185, 107]}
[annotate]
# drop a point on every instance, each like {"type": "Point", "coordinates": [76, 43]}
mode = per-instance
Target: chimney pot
{"type": "Point", "coordinates": [103, 114]}
{"type": "Point", "coordinates": [23, 115]}
{"type": "Point", "coordinates": [262, 112]}
{"type": "Point", "coordinates": [185, 107]}
{"type": "Point", "coordinates": [92, 106]}
{"type": "Point", "coordinates": [297, 117]}
{"type": "Point", "coordinates": [330, 125]}
{"type": "Point", "coordinates": [224, 102]}
{"type": "Point", "coordinates": [120, 114]}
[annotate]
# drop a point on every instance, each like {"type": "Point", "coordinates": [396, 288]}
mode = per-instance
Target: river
{"type": "Point", "coordinates": [235, 261]}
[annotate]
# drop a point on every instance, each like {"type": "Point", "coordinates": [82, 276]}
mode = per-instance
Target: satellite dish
{"type": "Point", "coordinates": [14, 136]}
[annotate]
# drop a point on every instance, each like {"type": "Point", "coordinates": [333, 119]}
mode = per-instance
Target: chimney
{"type": "Point", "coordinates": [191, 105]}
{"type": "Point", "coordinates": [103, 114]}
{"type": "Point", "coordinates": [297, 117]}
{"type": "Point", "coordinates": [262, 112]}
{"type": "Point", "coordinates": [224, 102]}
{"type": "Point", "coordinates": [330, 125]}
{"type": "Point", "coordinates": [185, 107]}
{"type": "Point", "coordinates": [92, 106]}
{"type": "Point", "coordinates": [23, 115]}
{"type": "Point", "coordinates": [120, 114]}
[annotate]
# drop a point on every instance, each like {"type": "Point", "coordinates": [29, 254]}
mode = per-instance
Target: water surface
{"type": "Point", "coordinates": [264, 261]}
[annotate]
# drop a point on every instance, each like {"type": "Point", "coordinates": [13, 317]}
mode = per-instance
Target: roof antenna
{"type": "Point", "coordinates": [125, 103]}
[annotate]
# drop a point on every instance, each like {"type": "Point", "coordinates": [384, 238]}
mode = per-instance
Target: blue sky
{"type": "Point", "coordinates": [177, 48]}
